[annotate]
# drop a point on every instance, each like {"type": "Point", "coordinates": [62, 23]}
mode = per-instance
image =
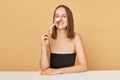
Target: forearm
{"type": "Point", "coordinates": [74, 69]}
{"type": "Point", "coordinates": [44, 62]}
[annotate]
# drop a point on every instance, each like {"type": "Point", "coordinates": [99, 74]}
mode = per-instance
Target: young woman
{"type": "Point", "coordinates": [60, 48]}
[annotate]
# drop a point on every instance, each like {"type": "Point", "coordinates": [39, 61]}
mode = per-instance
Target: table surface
{"type": "Point", "coordinates": [35, 75]}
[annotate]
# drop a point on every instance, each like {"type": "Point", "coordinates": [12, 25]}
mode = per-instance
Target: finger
{"type": "Point", "coordinates": [47, 35]}
{"type": "Point", "coordinates": [44, 38]}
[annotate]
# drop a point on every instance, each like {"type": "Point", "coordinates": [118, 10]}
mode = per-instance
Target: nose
{"type": "Point", "coordinates": [61, 18]}
{"type": "Point", "coordinates": [57, 19]}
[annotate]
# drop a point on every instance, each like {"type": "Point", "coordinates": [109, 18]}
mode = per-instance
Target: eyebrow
{"type": "Point", "coordinates": [62, 14]}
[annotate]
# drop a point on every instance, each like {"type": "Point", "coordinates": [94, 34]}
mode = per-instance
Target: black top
{"type": "Point", "coordinates": [62, 60]}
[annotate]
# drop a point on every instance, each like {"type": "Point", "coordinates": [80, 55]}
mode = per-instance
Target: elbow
{"type": "Point", "coordinates": [43, 68]}
{"type": "Point", "coordinates": [85, 68]}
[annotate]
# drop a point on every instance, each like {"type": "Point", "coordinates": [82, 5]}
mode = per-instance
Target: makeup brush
{"type": "Point", "coordinates": [56, 20]}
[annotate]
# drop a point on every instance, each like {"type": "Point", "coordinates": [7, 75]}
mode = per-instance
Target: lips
{"type": "Point", "coordinates": [60, 23]}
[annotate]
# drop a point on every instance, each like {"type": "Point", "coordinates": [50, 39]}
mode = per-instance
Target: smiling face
{"type": "Point", "coordinates": [66, 21]}
{"type": "Point", "coordinates": [61, 13]}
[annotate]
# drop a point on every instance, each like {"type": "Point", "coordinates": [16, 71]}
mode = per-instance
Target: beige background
{"type": "Point", "coordinates": [22, 23]}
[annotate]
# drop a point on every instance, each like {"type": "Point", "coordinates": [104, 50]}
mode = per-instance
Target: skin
{"type": "Point", "coordinates": [58, 46]}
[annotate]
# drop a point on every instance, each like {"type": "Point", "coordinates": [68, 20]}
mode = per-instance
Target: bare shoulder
{"type": "Point", "coordinates": [77, 37]}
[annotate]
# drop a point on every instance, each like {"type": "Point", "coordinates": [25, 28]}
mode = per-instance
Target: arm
{"type": "Point", "coordinates": [45, 51]}
{"type": "Point", "coordinates": [82, 66]}
{"type": "Point", "coordinates": [44, 62]}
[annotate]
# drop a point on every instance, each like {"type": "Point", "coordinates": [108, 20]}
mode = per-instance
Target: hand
{"type": "Point", "coordinates": [51, 71]}
{"type": "Point", "coordinates": [46, 38]}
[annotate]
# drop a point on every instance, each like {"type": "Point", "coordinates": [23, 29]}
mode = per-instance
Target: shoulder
{"type": "Point", "coordinates": [77, 37]}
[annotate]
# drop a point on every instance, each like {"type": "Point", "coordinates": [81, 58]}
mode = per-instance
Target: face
{"type": "Point", "coordinates": [61, 13]}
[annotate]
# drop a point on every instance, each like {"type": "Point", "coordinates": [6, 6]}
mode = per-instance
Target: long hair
{"type": "Point", "coordinates": [70, 26]}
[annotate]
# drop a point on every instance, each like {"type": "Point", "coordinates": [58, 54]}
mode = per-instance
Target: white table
{"type": "Point", "coordinates": [89, 75]}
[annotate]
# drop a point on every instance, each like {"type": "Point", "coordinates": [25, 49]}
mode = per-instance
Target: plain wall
{"type": "Point", "coordinates": [22, 23]}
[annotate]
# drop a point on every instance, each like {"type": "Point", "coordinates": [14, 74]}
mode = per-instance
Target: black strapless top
{"type": "Point", "coordinates": [62, 60]}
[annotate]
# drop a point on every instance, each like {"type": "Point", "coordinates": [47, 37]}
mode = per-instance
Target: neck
{"type": "Point", "coordinates": [61, 34]}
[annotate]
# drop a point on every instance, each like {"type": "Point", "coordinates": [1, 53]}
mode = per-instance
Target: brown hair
{"type": "Point", "coordinates": [70, 27]}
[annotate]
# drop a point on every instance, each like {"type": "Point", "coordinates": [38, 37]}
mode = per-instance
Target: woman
{"type": "Point", "coordinates": [60, 48]}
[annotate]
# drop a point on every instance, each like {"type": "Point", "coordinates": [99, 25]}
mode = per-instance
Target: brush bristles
{"type": "Point", "coordinates": [57, 19]}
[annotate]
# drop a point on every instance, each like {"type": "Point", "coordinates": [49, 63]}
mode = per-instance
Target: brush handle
{"type": "Point", "coordinates": [51, 26]}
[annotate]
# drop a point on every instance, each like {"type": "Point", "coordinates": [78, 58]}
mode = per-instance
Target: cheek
{"type": "Point", "coordinates": [66, 21]}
